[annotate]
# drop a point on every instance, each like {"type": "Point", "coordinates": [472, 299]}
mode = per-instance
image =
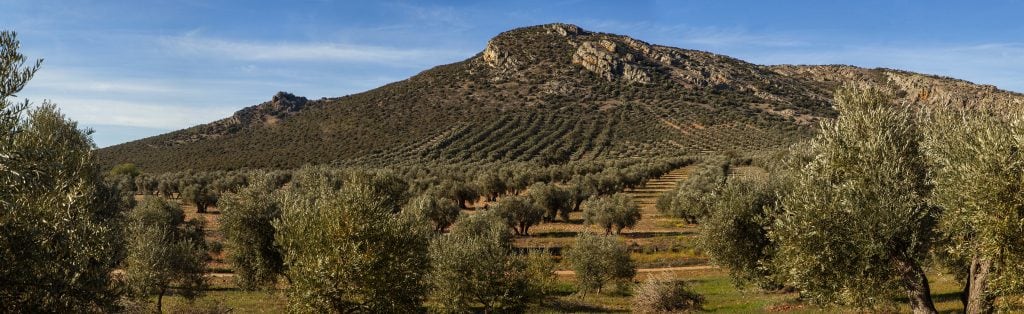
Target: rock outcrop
{"type": "Point", "coordinates": [606, 60]}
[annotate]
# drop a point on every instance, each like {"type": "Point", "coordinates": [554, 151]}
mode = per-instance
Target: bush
{"type": "Point", "coordinates": [659, 294]}
{"type": "Point", "coordinates": [598, 260]}
{"type": "Point", "coordinates": [347, 250]}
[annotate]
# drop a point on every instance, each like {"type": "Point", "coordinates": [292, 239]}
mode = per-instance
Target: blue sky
{"type": "Point", "coordinates": [131, 69]}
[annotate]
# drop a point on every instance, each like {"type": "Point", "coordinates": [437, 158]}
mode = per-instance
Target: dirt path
{"type": "Point", "coordinates": [650, 270]}
{"type": "Point", "coordinates": [559, 272]}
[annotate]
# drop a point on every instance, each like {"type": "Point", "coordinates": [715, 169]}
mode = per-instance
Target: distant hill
{"type": "Point", "coordinates": [548, 93]}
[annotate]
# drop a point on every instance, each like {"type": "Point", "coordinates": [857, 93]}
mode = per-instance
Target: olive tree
{"type": "Point", "coordinates": [199, 195]}
{"type": "Point", "coordinates": [477, 265]}
{"type": "Point", "coordinates": [858, 224]}
{"type": "Point", "coordinates": [598, 260]}
{"type": "Point", "coordinates": [347, 250]}
{"type": "Point", "coordinates": [580, 189]}
{"type": "Point", "coordinates": [165, 252]}
{"type": "Point", "coordinates": [554, 200]}
{"type": "Point", "coordinates": [459, 191]}
{"type": "Point", "coordinates": [691, 200]}
{"type": "Point", "coordinates": [491, 185]}
{"type": "Point", "coordinates": [246, 220]}
{"type": "Point", "coordinates": [616, 212]}
{"type": "Point", "coordinates": [979, 173]}
{"type": "Point", "coordinates": [735, 233]}
{"type": "Point", "coordinates": [520, 213]}
{"type": "Point", "coordinates": [60, 225]}
{"type": "Point", "coordinates": [441, 211]}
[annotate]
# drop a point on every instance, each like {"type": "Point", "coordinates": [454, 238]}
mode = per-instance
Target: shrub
{"type": "Point", "coordinates": [660, 294]}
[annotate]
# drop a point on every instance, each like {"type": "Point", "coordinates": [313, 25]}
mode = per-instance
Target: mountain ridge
{"type": "Point", "coordinates": [548, 93]}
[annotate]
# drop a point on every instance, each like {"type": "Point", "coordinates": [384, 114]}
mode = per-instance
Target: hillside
{"type": "Point", "coordinates": [549, 94]}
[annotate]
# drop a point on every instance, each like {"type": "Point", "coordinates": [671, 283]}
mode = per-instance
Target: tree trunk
{"type": "Point", "coordinates": [916, 284]}
{"type": "Point", "coordinates": [978, 300]}
{"type": "Point", "coordinates": [160, 300]}
{"type": "Point", "coordinates": [965, 295]}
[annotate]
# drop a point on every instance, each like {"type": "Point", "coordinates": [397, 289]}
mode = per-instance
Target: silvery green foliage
{"type": "Point", "coordinates": [556, 201]}
{"type": "Point", "coordinates": [979, 175]}
{"type": "Point", "coordinates": [347, 250]}
{"type": "Point", "coordinates": [858, 223]}
{"type": "Point", "coordinates": [614, 212]}
{"type": "Point", "coordinates": [735, 233]}
{"type": "Point", "coordinates": [441, 211]}
{"type": "Point", "coordinates": [692, 199]}
{"type": "Point", "coordinates": [520, 213]}
{"type": "Point", "coordinates": [60, 226]}
{"type": "Point", "coordinates": [246, 219]}
{"type": "Point", "coordinates": [165, 253]}
{"type": "Point", "coordinates": [598, 260]}
{"type": "Point", "coordinates": [475, 265]}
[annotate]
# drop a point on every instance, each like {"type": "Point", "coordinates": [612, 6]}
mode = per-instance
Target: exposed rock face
{"type": "Point", "coordinates": [913, 87]}
{"type": "Point", "coordinates": [565, 30]}
{"type": "Point", "coordinates": [497, 57]}
{"type": "Point", "coordinates": [270, 113]}
{"type": "Point", "coordinates": [279, 106]}
{"type": "Point", "coordinates": [606, 60]}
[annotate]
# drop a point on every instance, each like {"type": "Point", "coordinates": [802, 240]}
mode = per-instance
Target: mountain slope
{"type": "Point", "coordinates": [546, 93]}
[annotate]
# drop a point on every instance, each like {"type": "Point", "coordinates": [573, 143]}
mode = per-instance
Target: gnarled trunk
{"type": "Point", "coordinates": [916, 284]}
{"type": "Point", "coordinates": [978, 300]}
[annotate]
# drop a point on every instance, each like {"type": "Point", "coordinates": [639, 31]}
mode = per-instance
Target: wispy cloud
{"type": "Point", "coordinates": [73, 81]}
{"type": "Point", "coordinates": [193, 43]}
{"type": "Point", "coordinates": [134, 114]}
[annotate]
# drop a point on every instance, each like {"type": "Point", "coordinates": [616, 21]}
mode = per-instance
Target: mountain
{"type": "Point", "coordinates": [549, 93]}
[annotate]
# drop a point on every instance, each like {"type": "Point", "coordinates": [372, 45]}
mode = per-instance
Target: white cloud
{"type": "Point", "coordinates": [193, 43]}
{"type": "Point", "coordinates": [160, 116]}
{"type": "Point", "coordinates": [72, 81]}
